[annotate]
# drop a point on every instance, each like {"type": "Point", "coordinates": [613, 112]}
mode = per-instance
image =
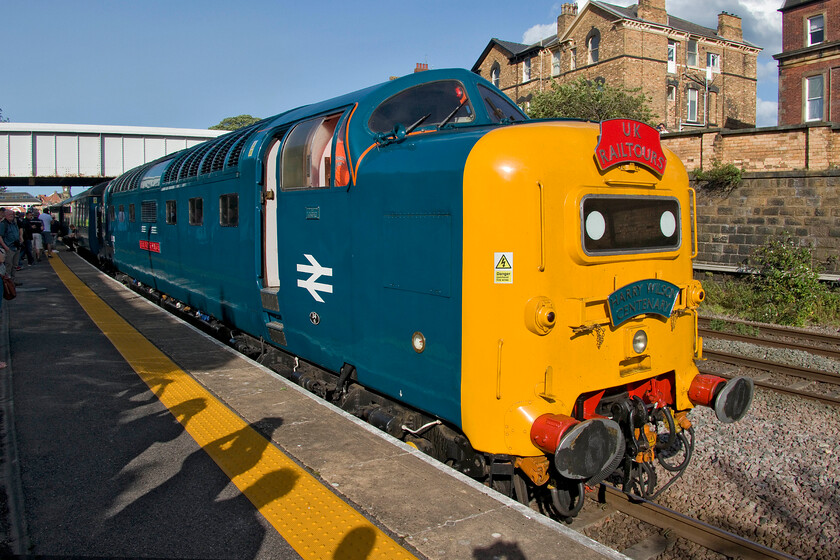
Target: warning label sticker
{"type": "Point", "coordinates": [503, 268]}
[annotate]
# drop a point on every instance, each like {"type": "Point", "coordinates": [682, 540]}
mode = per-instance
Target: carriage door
{"type": "Point", "coordinates": [269, 293]}
{"type": "Point", "coordinates": [313, 219]}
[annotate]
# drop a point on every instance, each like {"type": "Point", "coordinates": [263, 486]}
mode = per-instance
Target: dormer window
{"type": "Point", "coordinates": [816, 30]}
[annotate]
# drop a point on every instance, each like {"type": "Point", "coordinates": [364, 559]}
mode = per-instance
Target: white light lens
{"type": "Point", "coordinates": [418, 341]}
{"type": "Point", "coordinates": [640, 342]}
{"type": "Point", "coordinates": [595, 225]}
{"type": "Point", "coordinates": [668, 224]}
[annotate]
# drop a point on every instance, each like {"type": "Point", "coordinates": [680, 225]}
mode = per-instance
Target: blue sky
{"type": "Point", "coordinates": [191, 63]}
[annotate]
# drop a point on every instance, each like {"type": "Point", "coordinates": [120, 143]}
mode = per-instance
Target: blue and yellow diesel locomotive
{"type": "Point", "coordinates": [514, 297]}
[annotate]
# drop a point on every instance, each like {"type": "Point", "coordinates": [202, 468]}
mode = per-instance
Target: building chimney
{"type": "Point", "coordinates": [652, 11]}
{"type": "Point", "coordinates": [729, 27]}
{"type": "Point", "coordinates": [421, 67]}
{"type": "Point", "coordinates": [568, 13]}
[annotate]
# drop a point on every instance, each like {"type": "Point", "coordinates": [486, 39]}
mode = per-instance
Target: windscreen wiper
{"type": "Point", "coordinates": [445, 121]}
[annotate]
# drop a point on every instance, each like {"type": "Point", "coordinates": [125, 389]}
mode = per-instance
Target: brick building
{"type": "Point", "coordinates": [695, 76]}
{"type": "Point", "coordinates": [809, 64]}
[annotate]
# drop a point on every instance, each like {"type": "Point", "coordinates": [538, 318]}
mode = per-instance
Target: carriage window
{"type": "Point", "coordinates": [121, 215]}
{"type": "Point", "coordinates": [111, 213]}
{"type": "Point", "coordinates": [196, 211]}
{"type": "Point", "coordinates": [132, 215]}
{"type": "Point", "coordinates": [148, 211]}
{"type": "Point", "coordinates": [229, 210]}
{"type": "Point", "coordinates": [306, 159]}
{"type": "Point", "coordinates": [429, 104]}
{"type": "Point", "coordinates": [630, 224]}
{"type": "Point", "coordinates": [151, 178]}
{"type": "Point", "coordinates": [499, 107]}
{"type": "Point", "coordinates": [171, 213]}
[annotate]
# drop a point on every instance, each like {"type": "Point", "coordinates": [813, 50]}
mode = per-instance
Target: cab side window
{"type": "Point", "coordinates": [428, 104]}
{"type": "Point", "coordinates": [499, 108]}
{"type": "Point", "coordinates": [306, 162]}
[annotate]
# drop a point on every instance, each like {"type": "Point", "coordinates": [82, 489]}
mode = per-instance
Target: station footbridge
{"type": "Point", "coordinates": [35, 154]}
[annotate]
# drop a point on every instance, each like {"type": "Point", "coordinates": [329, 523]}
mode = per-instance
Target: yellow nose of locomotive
{"type": "Point", "coordinates": [541, 346]}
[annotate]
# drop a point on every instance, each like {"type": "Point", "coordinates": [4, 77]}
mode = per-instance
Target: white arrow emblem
{"type": "Point", "coordinates": [310, 284]}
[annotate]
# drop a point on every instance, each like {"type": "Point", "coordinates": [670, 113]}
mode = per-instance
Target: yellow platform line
{"type": "Point", "coordinates": [313, 520]}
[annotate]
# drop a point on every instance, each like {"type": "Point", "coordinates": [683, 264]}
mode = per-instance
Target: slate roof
{"type": "Point", "coordinates": [623, 12]}
{"type": "Point", "coordinates": [14, 198]}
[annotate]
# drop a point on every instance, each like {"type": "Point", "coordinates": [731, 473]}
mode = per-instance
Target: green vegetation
{"type": "Point", "coordinates": [784, 288]}
{"type": "Point", "coordinates": [1, 117]}
{"type": "Point", "coordinates": [235, 123]}
{"type": "Point", "coordinates": [722, 178]}
{"type": "Point", "coordinates": [591, 100]}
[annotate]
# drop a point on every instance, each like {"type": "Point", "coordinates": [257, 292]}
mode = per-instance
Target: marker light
{"type": "Point", "coordinates": [596, 225]}
{"type": "Point", "coordinates": [418, 341]}
{"type": "Point", "coordinates": [668, 224]}
{"type": "Point", "coordinates": [640, 341]}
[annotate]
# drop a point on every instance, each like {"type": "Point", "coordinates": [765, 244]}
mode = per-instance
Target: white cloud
{"type": "Point", "coordinates": [766, 113]}
{"type": "Point", "coordinates": [538, 32]}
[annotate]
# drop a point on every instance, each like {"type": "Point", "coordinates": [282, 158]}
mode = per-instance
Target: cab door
{"type": "Point", "coordinates": [312, 240]}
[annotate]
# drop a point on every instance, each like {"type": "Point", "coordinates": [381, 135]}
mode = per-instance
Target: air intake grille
{"type": "Point", "coordinates": [148, 211]}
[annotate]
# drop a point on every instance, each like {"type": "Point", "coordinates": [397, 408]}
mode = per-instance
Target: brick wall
{"type": "Point", "coordinates": [814, 147]}
{"type": "Point", "coordinates": [805, 204]}
{"type": "Point", "coordinates": [791, 185]}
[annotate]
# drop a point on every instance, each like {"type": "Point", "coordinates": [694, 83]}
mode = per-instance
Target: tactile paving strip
{"type": "Point", "coordinates": [313, 520]}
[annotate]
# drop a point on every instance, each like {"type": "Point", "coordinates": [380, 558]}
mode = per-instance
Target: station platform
{"type": "Point", "coordinates": [127, 432]}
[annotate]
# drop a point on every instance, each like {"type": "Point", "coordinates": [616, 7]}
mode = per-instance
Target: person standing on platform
{"type": "Point", "coordinates": [26, 232]}
{"type": "Point", "coordinates": [46, 220]}
{"type": "Point", "coordinates": [10, 240]}
{"type": "Point", "coordinates": [37, 239]}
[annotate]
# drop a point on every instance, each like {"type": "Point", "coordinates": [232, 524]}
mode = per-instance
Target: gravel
{"type": "Point", "coordinates": [773, 477]}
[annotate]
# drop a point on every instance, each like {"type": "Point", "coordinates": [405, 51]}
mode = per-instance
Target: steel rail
{"type": "Point", "coordinates": [688, 528]}
{"type": "Point", "coordinates": [806, 373]}
{"type": "Point", "coordinates": [781, 389]}
{"type": "Point", "coordinates": [776, 330]}
{"type": "Point", "coordinates": [810, 348]}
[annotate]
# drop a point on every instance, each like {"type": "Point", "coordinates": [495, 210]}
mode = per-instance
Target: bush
{"type": "Point", "coordinates": [722, 178]}
{"type": "Point", "coordinates": [786, 286]}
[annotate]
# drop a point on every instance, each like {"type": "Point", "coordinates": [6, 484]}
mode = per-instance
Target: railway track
{"type": "Point", "coordinates": [777, 337]}
{"type": "Point", "coordinates": [694, 530]}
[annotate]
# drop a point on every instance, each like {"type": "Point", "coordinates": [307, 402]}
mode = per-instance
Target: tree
{"type": "Point", "coordinates": [235, 123]}
{"type": "Point", "coordinates": [1, 117]}
{"type": "Point", "coordinates": [592, 101]}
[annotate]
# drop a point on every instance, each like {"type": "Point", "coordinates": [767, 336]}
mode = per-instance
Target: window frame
{"type": "Point", "coordinates": [225, 209]}
{"type": "Point", "coordinates": [592, 55]}
{"type": "Point", "coordinates": [810, 32]}
{"type": "Point", "coordinates": [495, 73]}
{"type": "Point", "coordinates": [692, 53]}
{"type": "Point", "coordinates": [809, 99]}
{"type": "Point", "coordinates": [193, 203]}
{"type": "Point", "coordinates": [713, 62]}
{"type": "Point", "coordinates": [556, 63]}
{"type": "Point", "coordinates": [526, 70]}
{"type": "Point", "coordinates": [171, 212]}
{"type": "Point", "coordinates": [573, 58]}
{"type": "Point", "coordinates": [695, 93]}
{"type": "Point", "coordinates": [672, 57]}
{"type": "Point", "coordinates": [132, 213]}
